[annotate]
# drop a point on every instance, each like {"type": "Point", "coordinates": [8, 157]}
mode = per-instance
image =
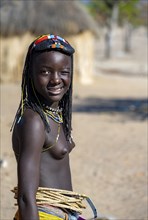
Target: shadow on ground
{"type": "Point", "coordinates": [133, 108]}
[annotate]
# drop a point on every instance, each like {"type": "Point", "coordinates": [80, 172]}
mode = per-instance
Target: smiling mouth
{"type": "Point", "coordinates": [55, 91]}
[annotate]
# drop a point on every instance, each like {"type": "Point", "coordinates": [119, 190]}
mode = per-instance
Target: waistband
{"type": "Point", "coordinates": [66, 200]}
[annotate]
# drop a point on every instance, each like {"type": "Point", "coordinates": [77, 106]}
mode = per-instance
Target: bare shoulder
{"type": "Point", "coordinates": [31, 126]}
{"type": "Point", "coordinates": [30, 132]}
{"type": "Point", "coordinates": [31, 119]}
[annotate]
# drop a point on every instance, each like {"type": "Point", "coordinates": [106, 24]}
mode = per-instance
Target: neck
{"type": "Point", "coordinates": [44, 103]}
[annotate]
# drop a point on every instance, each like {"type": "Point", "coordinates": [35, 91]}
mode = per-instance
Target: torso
{"type": "Point", "coordinates": [54, 163]}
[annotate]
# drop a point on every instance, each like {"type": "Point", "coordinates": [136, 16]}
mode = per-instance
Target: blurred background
{"type": "Point", "coordinates": [109, 162]}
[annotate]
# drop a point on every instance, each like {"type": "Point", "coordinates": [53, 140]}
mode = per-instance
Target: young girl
{"type": "Point", "coordinates": [42, 137]}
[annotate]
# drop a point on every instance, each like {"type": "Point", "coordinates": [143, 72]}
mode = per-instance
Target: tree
{"type": "Point", "coordinates": [129, 17]}
{"type": "Point", "coordinates": [116, 12]}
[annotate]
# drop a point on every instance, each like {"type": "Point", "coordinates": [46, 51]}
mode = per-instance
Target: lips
{"type": "Point", "coordinates": [54, 90]}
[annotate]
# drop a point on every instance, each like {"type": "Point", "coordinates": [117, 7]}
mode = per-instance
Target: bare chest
{"type": "Point", "coordinates": [56, 143]}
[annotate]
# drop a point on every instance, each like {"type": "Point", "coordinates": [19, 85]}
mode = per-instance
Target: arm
{"type": "Point", "coordinates": [31, 140]}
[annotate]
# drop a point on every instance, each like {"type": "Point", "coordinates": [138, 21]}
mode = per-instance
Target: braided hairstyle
{"type": "Point", "coordinates": [29, 98]}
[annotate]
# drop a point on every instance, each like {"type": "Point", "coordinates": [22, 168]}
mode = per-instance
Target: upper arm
{"type": "Point", "coordinates": [31, 140]}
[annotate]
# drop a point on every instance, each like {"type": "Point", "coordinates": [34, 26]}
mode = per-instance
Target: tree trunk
{"type": "Point", "coordinates": [108, 39]}
{"type": "Point", "coordinates": [127, 37]}
{"type": "Point", "coordinates": [112, 22]}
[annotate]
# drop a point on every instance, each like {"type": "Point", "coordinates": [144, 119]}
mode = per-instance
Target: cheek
{"type": "Point", "coordinates": [37, 78]}
{"type": "Point", "coordinates": [67, 82]}
{"type": "Point", "coordinates": [40, 81]}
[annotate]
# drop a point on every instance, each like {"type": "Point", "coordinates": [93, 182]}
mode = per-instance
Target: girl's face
{"type": "Point", "coordinates": [51, 74]}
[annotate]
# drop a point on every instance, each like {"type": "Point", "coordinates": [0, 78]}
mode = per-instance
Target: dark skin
{"type": "Point", "coordinates": [50, 74]}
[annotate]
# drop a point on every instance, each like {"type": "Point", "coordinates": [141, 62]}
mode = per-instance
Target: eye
{"type": "Point", "coordinates": [45, 72]}
{"type": "Point", "coordinates": [65, 73]}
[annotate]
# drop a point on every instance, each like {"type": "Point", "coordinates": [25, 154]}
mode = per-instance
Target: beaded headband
{"type": "Point", "coordinates": [52, 42]}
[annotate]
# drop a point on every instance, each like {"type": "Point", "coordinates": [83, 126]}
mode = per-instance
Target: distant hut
{"type": "Point", "coordinates": [22, 21]}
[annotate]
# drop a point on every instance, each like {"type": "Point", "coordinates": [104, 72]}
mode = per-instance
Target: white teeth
{"type": "Point", "coordinates": [54, 90]}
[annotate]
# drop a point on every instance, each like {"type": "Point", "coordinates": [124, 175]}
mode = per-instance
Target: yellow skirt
{"type": "Point", "coordinates": [45, 216]}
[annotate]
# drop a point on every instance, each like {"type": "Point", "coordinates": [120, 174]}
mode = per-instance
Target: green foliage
{"type": "Point", "coordinates": [100, 8]}
{"type": "Point", "coordinates": [129, 10]}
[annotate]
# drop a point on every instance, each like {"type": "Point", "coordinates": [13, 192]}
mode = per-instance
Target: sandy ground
{"type": "Point", "coordinates": [110, 159]}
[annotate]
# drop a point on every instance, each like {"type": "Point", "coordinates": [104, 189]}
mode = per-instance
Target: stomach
{"type": "Point", "coordinates": [55, 173]}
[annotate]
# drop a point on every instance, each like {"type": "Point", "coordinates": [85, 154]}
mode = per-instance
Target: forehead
{"type": "Point", "coordinates": [51, 57]}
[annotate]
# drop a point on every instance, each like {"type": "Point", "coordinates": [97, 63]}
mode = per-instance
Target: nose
{"type": "Point", "coordinates": [55, 78]}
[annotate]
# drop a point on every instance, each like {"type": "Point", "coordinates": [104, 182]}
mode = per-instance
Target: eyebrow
{"type": "Point", "coordinates": [68, 68]}
{"type": "Point", "coordinates": [49, 67]}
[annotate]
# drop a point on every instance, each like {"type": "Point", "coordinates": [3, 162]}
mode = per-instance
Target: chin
{"type": "Point", "coordinates": [55, 98]}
